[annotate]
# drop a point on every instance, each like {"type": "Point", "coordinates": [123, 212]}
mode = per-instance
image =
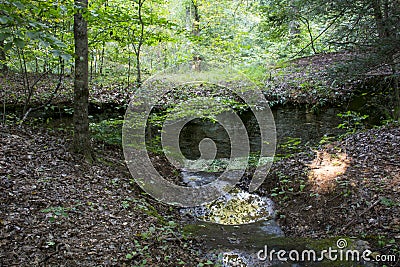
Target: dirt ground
{"type": "Point", "coordinates": [347, 188]}
{"type": "Point", "coordinates": [56, 210]}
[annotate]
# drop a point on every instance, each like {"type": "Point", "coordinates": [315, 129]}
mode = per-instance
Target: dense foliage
{"type": "Point", "coordinates": [129, 37]}
{"type": "Point", "coordinates": [130, 40]}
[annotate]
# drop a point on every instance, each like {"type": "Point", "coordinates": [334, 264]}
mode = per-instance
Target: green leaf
{"type": "Point", "coordinates": [4, 35]}
{"type": "Point", "coordinates": [4, 19]}
{"type": "Point", "coordinates": [44, 44]}
{"type": "Point", "coordinates": [32, 35]}
{"type": "Point", "coordinates": [19, 42]}
{"type": "Point", "coordinates": [7, 46]}
{"type": "Point", "coordinates": [18, 5]}
{"type": "Point", "coordinates": [56, 52]}
{"type": "Point", "coordinates": [66, 57]}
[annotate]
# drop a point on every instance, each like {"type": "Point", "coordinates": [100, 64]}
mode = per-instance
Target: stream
{"type": "Point", "coordinates": [239, 224]}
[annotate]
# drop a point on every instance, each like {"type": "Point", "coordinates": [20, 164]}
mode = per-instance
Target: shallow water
{"type": "Point", "coordinates": [230, 223]}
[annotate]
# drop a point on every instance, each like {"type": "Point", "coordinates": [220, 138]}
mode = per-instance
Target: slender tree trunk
{"type": "Point", "coordinates": [188, 18]}
{"type": "Point", "coordinates": [91, 67]}
{"type": "Point", "coordinates": [310, 34]}
{"type": "Point", "coordinates": [102, 59]}
{"type": "Point", "coordinates": [3, 64]}
{"type": "Point", "coordinates": [95, 62]}
{"type": "Point", "coordinates": [294, 25]}
{"type": "Point", "coordinates": [165, 61]}
{"type": "Point", "coordinates": [397, 96]}
{"type": "Point", "coordinates": [27, 88]}
{"type": "Point", "coordinates": [382, 22]}
{"type": "Point", "coordinates": [129, 66]}
{"type": "Point", "coordinates": [81, 142]}
{"type": "Point", "coordinates": [379, 20]}
{"type": "Point", "coordinates": [36, 65]}
{"type": "Point", "coordinates": [4, 91]}
{"type": "Point", "coordinates": [102, 47]}
{"type": "Point", "coordinates": [139, 45]}
{"type": "Point", "coordinates": [396, 89]}
{"type": "Point", "coordinates": [196, 65]}
{"type": "Point", "coordinates": [138, 70]}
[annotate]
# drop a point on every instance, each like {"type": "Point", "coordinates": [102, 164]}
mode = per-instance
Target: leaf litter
{"type": "Point", "coordinates": [57, 210]}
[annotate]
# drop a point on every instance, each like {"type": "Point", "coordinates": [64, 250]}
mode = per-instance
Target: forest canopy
{"type": "Point", "coordinates": [37, 36]}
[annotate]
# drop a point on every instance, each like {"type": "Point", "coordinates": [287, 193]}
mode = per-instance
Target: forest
{"type": "Point", "coordinates": [199, 133]}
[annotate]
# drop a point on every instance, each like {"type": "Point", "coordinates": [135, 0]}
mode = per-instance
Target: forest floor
{"type": "Point", "coordinates": [346, 188]}
{"type": "Point", "coordinates": [57, 210]}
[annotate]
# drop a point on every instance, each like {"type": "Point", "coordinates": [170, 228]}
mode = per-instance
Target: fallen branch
{"type": "Point", "coordinates": [361, 214]}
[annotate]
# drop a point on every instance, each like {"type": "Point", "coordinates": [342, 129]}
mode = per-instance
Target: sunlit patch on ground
{"type": "Point", "coordinates": [325, 168]}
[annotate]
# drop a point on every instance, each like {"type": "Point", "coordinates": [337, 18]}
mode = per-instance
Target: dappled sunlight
{"type": "Point", "coordinates": [325, 168]}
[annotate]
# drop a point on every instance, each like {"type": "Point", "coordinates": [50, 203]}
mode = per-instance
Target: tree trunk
{"type": "Point", "coordinates": [383, 21]}
{"type": "Point", "coordinates": [307, 22]}
{"type": "Point", "coordinates": [3, 64]}
{"type": "Point", "coordinates": [196, 65]}
{"type": "Point", "coordinates": [81, 142]}
{"type": "Point", "coordinates": [294, 25]}
{"type": "Point", "coordinates": [396, 90]}
{"type": "Point", "coordinates": [139, 45]}
{"type": "Point", "coordinates": [379, 21]}
{"type": "Point", "coordinates": [129, 67]}
{"type": "Point", "coordinates": [102, 59]}
{"type": "Point", "coordinates": [138, 70]}
{"type": "Point", "coordinates": [397, 96]}
{"type": "Point", "coordinates": [91, 68]}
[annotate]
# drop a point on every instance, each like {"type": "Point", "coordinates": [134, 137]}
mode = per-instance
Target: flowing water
{"type": "Point", "coordinates": [239, 224]}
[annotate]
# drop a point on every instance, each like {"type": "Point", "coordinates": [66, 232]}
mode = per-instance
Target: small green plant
{"type": "Point", "coordinates": [50, 243]}
{"type": "Point", "coordinates": [388, 202]}
{"type": "Point", "coordinates": [302, 186]}
{"type": "Point", "coordinates": [345, 187]}
{"type": "Point", "coordinates": [69, 111]}
{"type": "Point", "coordinates": [292, 143]}
{"type": "Point", "coordinates": [352, 121]}
{"type": "Point", "coordinates": [326, 139]}
{"type": "Point", "coordinates": [207, 263]}
{"type": "Point", "coordinates": [125, 204]}
{"type": "Point", "coordinates": [139, 254]}
{"type": "Point", "coordinates": [55, 213]}
{"type": "Point", "coordinates": [285, 185]}
{"type": "Point", "coordinates": [289, 147]}
{"type": "Point", "coordinates": [108, 131]}
{"type": "Point", "coordinates": [381, 241]}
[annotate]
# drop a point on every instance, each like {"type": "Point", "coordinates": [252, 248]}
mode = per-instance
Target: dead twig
{"type": "Point", "coordinates": [361, 214]}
